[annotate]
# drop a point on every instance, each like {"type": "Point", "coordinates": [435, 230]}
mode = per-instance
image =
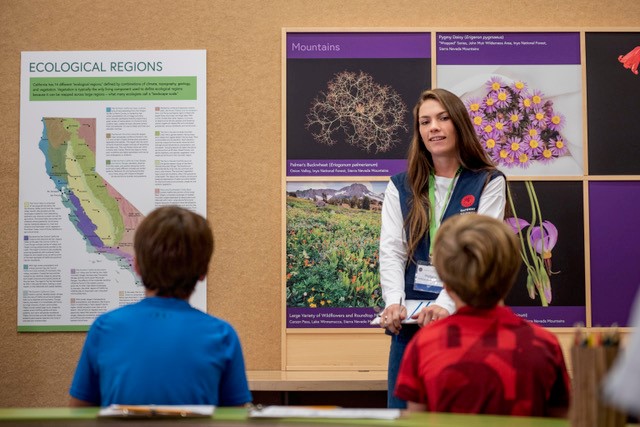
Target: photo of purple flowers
{"type": "Point", "coordinates": [547, 217]}
{"type": "Point", "coordinates": [516, 125]}
{"type": "Point", "coordinates": [528, 127]}
{"type": "Point", "coordinates": [537, 240]}
{"type": "Point", "coordinates": [524, 93]}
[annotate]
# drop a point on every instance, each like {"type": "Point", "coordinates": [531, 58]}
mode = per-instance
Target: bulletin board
{"type": "Point", "coordinates": [245, 156]}
{"type": "Point", "coordinates": [526, 92]}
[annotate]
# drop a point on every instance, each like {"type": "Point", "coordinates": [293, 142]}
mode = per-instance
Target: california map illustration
{"type": "Point", "coordinates": [102, 216]}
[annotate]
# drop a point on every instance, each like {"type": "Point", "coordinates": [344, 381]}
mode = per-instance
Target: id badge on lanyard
{"type": "Point", "coordinates": [427, 279]}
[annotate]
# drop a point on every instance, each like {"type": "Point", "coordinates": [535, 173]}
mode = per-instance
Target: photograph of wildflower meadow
{"type": "Point", "coordinates": [333, 229]}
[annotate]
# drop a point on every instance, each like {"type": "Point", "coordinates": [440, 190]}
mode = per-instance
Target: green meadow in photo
{"type": "Point", "coordinates": [332, 253]}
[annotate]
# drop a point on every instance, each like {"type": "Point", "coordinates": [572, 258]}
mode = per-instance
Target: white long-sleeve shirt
{"type": "Point", "coordinates": [393, 241]}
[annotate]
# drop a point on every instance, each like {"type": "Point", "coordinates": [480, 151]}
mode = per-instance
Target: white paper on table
{"type": "Point", "coordinates": [314, 412]}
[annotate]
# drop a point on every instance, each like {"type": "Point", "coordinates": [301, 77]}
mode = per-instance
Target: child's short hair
{"type": "Point", "coordinates": [477, 257]}
{"type": "Point", "coordinates": [173, 247]}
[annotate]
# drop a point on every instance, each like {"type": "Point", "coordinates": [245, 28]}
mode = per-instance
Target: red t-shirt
{"type": "Point", "coordinates": [484, 361]}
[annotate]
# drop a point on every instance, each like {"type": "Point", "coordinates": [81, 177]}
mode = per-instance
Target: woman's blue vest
{"type": "Point", "coordinates": [465, 198]}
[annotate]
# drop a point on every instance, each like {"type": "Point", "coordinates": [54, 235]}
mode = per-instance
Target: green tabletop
{"type": "Point", "coordinates": [238, 416]}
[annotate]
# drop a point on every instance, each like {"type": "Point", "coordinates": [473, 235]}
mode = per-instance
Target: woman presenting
{"type": "Point", "coordinates": [448, 173]}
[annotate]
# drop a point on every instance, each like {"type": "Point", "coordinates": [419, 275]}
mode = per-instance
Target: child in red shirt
{"type": "Point", "coordinates": [483, 359]}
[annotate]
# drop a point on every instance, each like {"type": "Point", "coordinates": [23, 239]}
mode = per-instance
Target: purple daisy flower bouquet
{"type": "Point", "coordinates": [517, 126]}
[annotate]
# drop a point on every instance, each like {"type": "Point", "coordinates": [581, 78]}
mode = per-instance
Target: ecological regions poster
{"type": "Point", "coordinates": [105, 137]}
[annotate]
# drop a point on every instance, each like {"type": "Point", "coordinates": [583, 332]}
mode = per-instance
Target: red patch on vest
{"type": "Point", "coordinates": [467, 201]}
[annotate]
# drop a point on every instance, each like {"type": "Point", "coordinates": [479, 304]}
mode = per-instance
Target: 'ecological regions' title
{"type": "Point", "coordinates": [92, 67]}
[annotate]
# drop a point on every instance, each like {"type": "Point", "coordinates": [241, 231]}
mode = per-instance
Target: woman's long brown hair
{"type": "Point", "coordinates": [471, 156]}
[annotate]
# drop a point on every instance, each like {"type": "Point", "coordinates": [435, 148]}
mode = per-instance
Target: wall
{"type": "Point", "coordinates": [243, 43]}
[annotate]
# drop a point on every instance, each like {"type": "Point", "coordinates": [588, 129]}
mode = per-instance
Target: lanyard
{"type": "Point", "coordinates": [433, 226]}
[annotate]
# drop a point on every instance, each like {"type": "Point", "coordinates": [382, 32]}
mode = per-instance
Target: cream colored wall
{"type": "Point", "coordinates": [243, 43]}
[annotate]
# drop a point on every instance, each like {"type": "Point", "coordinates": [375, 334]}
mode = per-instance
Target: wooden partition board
{"type": "Point", "coordinates": [337, 350]}
{"type": "Point", "coordinates": [245, 175]}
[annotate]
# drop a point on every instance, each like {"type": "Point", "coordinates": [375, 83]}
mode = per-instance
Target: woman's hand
{"type": "Point", "coordinates": [392, 317]}
{"type": "Point", "coordinates": [429, 314]}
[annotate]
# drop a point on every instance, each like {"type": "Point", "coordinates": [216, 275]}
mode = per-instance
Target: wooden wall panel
{"type": "Point", "coordinates": [243, 43]}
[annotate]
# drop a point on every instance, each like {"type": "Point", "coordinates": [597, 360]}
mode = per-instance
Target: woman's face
{"type": "Point", "coordinates": [437, 129]}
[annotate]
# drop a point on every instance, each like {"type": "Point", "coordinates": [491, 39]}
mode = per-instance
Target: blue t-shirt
{"type": "Point", "coordinates": [161, 351]}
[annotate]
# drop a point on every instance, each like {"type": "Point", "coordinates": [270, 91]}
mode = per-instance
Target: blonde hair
{"type": "Point", "coordinates": [477, 257]}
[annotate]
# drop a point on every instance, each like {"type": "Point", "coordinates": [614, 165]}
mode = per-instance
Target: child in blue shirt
{"type": "Point", "coordinates": [161, 350]}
